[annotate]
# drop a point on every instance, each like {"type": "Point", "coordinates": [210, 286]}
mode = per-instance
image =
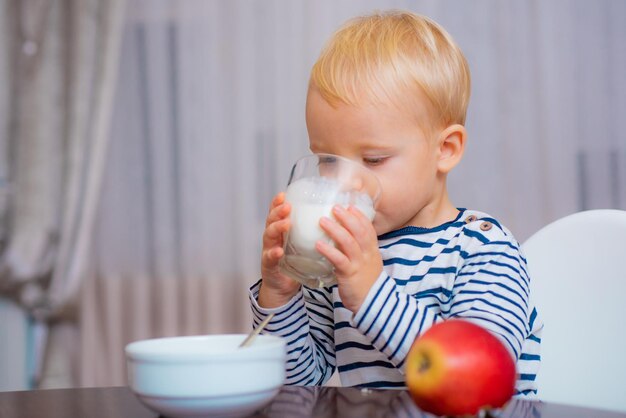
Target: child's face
{"type": "Point", "coordinates": [391, 143]}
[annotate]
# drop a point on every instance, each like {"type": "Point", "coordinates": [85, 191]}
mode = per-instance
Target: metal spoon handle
{"type": "Point", "coordinates": [256, 331]}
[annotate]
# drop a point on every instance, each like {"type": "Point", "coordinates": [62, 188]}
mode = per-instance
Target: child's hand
{"type": "Point", "coordinates": [356, 256]}
{"type": "Point", "coordinates": [276, 288]}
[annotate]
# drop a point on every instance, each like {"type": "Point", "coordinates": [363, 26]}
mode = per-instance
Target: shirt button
{"type": "Point", "coordinates": [485, 226]}
{"type": "Point", "coordinates": [470, 218]}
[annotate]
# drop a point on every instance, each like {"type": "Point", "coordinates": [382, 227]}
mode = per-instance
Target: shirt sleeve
{"type": "Point", "coordinates": [306, 322]}
{"type": "Point", "coordinates": [490, 289]}
{"type": "Point", "coordinates": [392, 319]}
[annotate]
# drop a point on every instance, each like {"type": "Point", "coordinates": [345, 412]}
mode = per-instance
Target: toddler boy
{"type": "Point", "coordinates": [390, 90]}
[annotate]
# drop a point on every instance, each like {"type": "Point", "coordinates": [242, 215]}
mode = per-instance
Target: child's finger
{"type": "Point", "coordinates": [359, 215]}
{"type": "Point", "coordinates": [344, 241]}
{"type": "Point", "coordinates": [274, 232]}
{"type": "Point", "coordinates": [349, 219]}
{"type": "Point", "coordinates": [270, 257]}
{"type": "Point", "coordinates": [277, 213]}
{"type": "Point", "coordinates": [337, 258]}
{"type": "Point", "coordinates": [277, 200]}
{"type": "Point", "coordinates": [366, 228]}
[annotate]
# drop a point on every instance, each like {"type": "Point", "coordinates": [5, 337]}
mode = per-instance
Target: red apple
{"type": "Point", "coordinates": [458, 368]}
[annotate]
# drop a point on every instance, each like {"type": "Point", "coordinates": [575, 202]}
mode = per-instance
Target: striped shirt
{"type": "Point", "coordinates": [470, 268]}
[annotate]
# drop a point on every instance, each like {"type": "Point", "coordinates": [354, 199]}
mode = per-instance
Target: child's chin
{"type": "Point", "coordinates": [381, 227]}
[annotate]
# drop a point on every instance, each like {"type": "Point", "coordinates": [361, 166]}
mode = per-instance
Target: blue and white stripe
{"type": "Point", "coordinates": [456, 270]}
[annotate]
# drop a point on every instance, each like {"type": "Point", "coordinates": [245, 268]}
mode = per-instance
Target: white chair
{"type": "Point", "coordinates": [577, 267]}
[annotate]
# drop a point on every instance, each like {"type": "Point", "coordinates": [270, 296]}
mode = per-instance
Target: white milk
{"type": "Point", "coordinates": [310, 199]}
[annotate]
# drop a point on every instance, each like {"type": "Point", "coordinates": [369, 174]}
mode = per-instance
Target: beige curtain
{"type": "Point", "coordinates": [60, 66]}
{"type": "Point", "coordinates": [116, 310]}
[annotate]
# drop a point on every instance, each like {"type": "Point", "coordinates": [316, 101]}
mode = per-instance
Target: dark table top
{"type": "Point", "coordinates": [292, 401]}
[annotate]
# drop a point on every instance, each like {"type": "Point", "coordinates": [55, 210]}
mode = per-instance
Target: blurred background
{"type": "Point", "coordinates": [142, 140]}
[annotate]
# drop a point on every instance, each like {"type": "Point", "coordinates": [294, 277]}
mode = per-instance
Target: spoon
{"type": "Point", "coordinates": [256, 331]}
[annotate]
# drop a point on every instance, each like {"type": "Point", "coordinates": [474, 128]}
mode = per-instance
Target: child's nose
{"type": "Point", "coordinates": [357, 184]}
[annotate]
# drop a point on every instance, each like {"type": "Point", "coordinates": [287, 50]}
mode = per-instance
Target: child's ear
{"type": "Point", "coordinates": [451, 147]}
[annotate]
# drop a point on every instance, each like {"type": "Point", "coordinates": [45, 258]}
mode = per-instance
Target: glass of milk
{"type": "Point", "coordinates": [316, 184]}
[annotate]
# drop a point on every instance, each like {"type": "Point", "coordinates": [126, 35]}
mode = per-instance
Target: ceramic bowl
{"type": "Point", "coordinates": [197, 376]}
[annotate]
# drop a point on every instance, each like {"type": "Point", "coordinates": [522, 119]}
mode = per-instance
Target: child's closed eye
{"type": "Point", "coordinates": [374, 161]}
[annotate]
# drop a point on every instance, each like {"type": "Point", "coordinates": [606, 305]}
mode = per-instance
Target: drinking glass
{"type": "Point", "coordinates": [317, 183]}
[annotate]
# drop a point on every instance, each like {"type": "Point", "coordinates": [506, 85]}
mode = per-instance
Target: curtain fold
{"type": "Point", "coordinates": [63, 59]}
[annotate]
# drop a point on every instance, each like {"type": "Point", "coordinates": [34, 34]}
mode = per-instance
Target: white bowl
{"type": "Point", "coordinates": [197, 376]}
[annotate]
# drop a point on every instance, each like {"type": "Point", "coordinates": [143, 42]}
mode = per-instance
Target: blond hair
{"type": "Point", "coordinates": [387, 56]}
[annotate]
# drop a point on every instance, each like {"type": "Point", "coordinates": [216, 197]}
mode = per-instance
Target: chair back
{"type": "Point", "coordinates": [577, 268]}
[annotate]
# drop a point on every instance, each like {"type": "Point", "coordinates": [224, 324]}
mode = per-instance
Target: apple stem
{"type": "Point", "coordinates": [485, 413]}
